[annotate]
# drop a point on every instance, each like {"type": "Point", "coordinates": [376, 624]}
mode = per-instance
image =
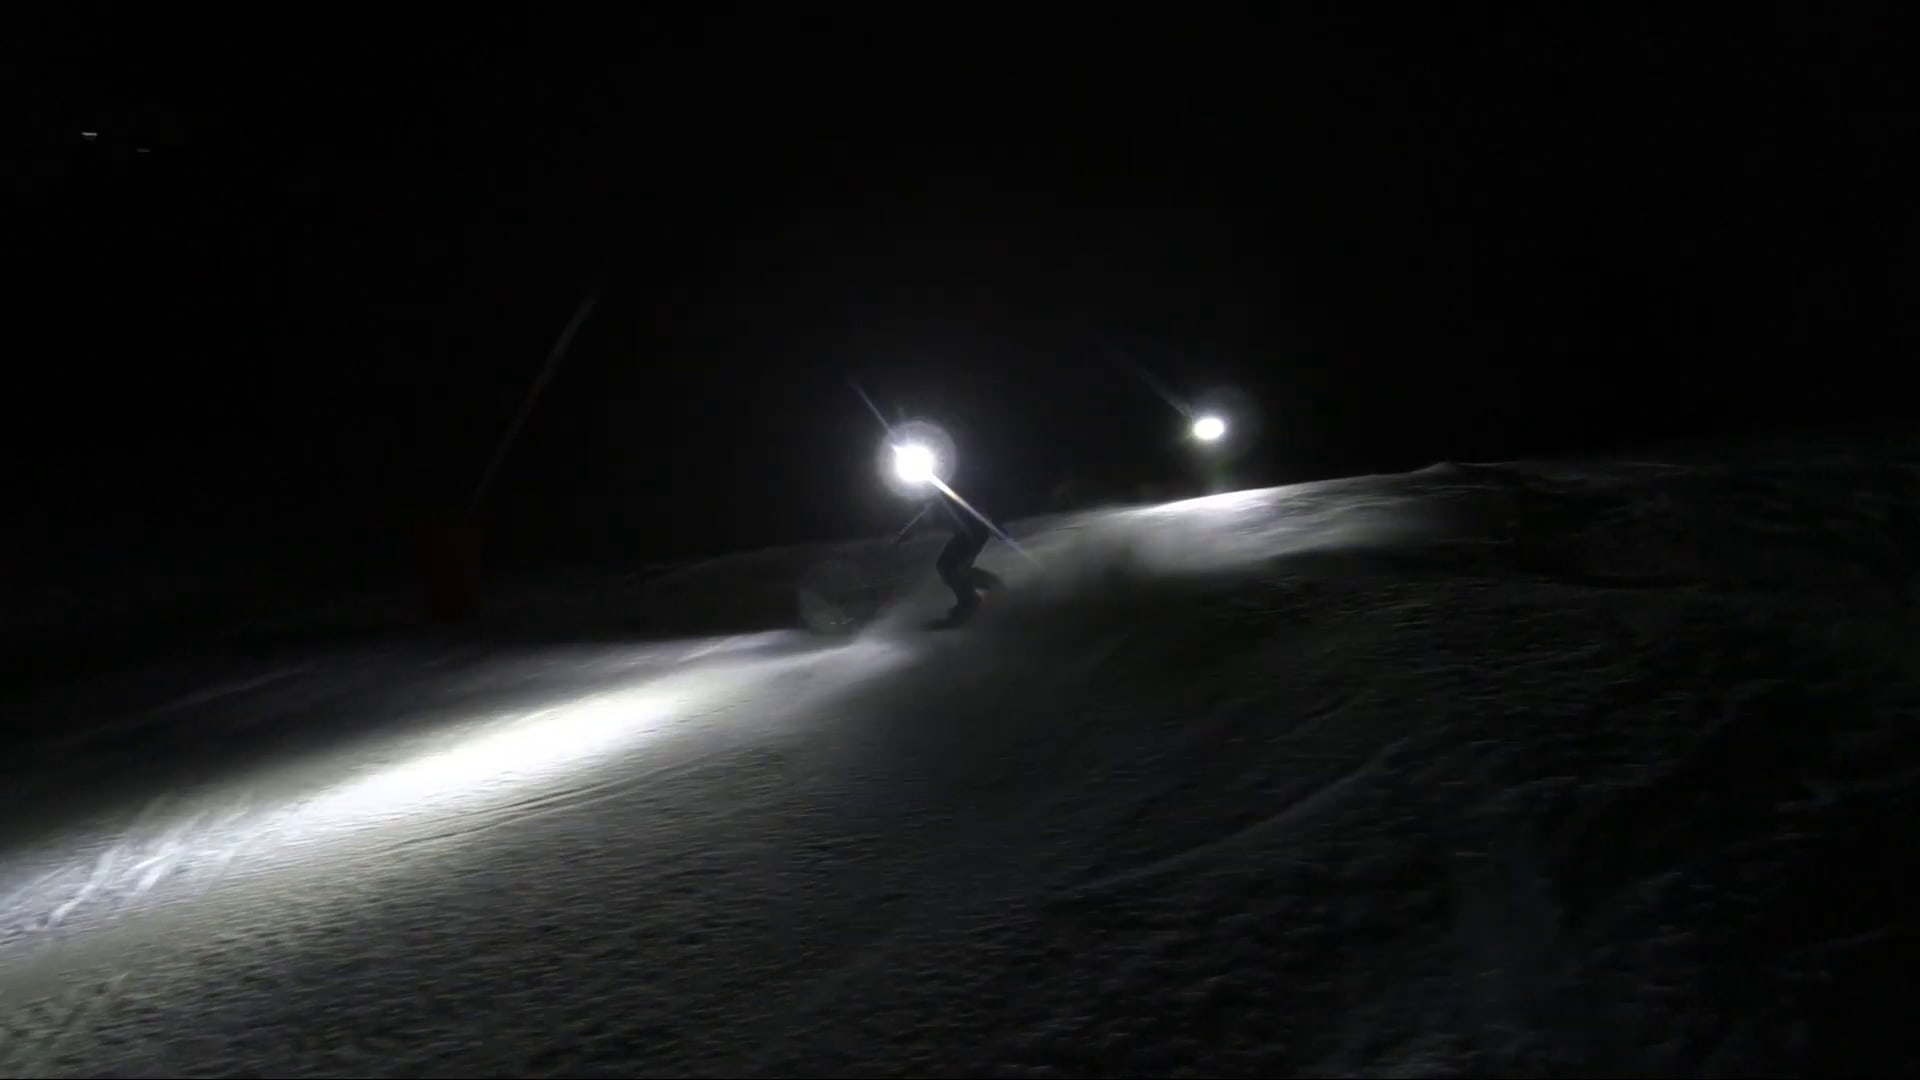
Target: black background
{"type": "Point", "coordinates": [302, 319]}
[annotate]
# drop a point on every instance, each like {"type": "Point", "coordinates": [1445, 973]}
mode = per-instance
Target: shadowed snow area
{"type": "Point", "coordinates": [1605, 769]}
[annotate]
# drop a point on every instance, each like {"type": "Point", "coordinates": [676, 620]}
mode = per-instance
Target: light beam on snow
{"type": "Point", "coordinates": [509, 754]}
{"type": "Point", "coordinates": [271, 828]}
{"type": "Point", "coordinates": [502, 758]}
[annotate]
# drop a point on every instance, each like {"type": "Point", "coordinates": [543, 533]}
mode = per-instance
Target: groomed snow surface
{"type": "Point", "coordinates": [1603, 769]}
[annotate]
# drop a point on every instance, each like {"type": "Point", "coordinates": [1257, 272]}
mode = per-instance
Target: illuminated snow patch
{"type": "Point", "coordinates": [271, 827]}
{"type": "Point", "coordinates": [504, 754]}
{"type": "Point", "coordinates": [503, 758]}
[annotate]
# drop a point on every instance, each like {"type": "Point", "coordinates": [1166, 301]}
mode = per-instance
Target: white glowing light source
{"type": "Point", "coordinates": [1209, 428]}
{"type": "Point", "coordinates": [913, 463]}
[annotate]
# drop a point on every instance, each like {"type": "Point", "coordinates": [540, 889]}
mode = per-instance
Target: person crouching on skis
{"type": "Point", "coordinates": [969, 535]}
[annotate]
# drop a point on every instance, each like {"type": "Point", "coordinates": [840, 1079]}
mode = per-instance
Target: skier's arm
{"type": "Point", "coordinates": [901, 537]}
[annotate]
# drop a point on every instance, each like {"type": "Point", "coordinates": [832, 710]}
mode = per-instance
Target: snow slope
{"type": "Point", "coordinates": [1596, 768]}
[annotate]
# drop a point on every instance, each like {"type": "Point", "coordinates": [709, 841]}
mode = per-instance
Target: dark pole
{"type": "Point", "coordinates": [533, 394]}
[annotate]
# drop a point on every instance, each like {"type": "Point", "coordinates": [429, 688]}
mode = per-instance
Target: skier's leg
{"type": "Point", "coordinates": [967, 548]}
{"type": "Point", "coordinates": [953, 565]}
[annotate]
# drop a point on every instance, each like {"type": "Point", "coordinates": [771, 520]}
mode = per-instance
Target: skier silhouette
{"type": "Point", "coordinates": [969, 535]}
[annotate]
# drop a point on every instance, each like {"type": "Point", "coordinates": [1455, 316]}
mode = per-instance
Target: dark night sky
{"type": "Point", "coordinates": [312, 306]}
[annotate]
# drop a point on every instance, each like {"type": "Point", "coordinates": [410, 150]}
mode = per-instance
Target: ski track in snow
{"type": "Point", "coordinates": [1590, 768]}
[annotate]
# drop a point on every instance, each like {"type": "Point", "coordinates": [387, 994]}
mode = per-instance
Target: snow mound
{"type": "Point", "coordinates": [1594, 768]}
